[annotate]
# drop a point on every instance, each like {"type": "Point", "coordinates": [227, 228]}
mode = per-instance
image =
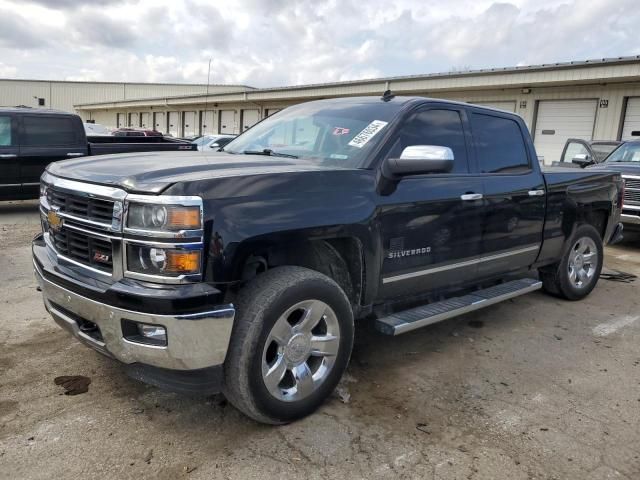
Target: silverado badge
{"type": "Point", "coordinates": [54, 220]}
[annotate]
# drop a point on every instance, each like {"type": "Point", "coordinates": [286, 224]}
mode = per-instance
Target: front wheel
{"type": "Point", "coordinates": [577, 273]}
{"type": "Point", "coordinates": [290, 344]}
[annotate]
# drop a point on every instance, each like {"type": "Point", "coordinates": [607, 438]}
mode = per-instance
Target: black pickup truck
{"type": "Point", "coordinates": [32, 138]}
{"type": "Point", "coordinates": [243, 271]}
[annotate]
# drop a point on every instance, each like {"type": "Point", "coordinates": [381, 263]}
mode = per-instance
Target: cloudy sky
{"type": "Point", "coordinates": [288, 42]}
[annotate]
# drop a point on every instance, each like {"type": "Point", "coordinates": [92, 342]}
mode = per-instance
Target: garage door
{"type": "Point", "coordinates": [134, 120]}
{"type": "Point", "coordinates": [174, 123]}
{"type": "Point", "coordinates": [160, 122]}
{"type": "Point", "coordinates": [189, 124]}
{"type": "Point", "coordinates": [208, 124]}
{"type": "Point", "coordinates": [122, 120]}
{"type": "Point", "coordinates": [631, 119]}
{"type": "Point", "coordinates": [270, 111]}
{"type": "Point", "coordinates": [559, 120]}
{"type": "Point", "coordinates": [508, 105]}
{"type": "Point", "coordinates": [227, 121]}
{"type": "Point", "coordinates": [144, 120]}
{"type": "Point", "coordinates": [249, 118]}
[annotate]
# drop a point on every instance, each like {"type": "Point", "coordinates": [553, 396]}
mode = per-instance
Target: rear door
{"type": "Point", "coordinates": [432, 224]}
{"type": "Point", "coordinates": [45, 139]}
{"type": "Point", "coordinates": [514, 194]}
{"type": "Point", "coordinates": [9, 160]}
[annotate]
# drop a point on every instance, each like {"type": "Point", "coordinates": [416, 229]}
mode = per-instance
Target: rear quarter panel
{"type": "Point", "coordinates": [574, 197]}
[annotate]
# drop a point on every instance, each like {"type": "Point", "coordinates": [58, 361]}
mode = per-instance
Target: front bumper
{"type": "Point", "coordinates": [196, 341]}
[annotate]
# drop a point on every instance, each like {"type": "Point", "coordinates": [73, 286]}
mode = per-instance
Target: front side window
{"type": "Point", "coordinates": [6, 137]}
{"type": "Point", "coordinates": [442, 128]}
{"type": "Point", "coordinates": [324, 132]}
{"type": "Point", "coordinates": [499, 144]}
{"type": "Point", "coordinates": [41, 130]}
{"type": "Point", "coordinates": [573, 149]}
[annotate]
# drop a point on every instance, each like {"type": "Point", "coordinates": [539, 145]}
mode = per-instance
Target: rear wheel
{"type": "Point", "coordinates": [577, 273]}
{"type": "Point", "coordinates": [290, 344]}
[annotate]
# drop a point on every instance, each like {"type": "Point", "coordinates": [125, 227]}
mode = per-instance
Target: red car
{"type": "Point", "coordinates": [136, 132]}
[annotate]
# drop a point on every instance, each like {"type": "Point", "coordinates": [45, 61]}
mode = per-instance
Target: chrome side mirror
{"type": "Point", "coordinates": [582, 159]}
{"type": "Point", "coordinates": [420, 159]}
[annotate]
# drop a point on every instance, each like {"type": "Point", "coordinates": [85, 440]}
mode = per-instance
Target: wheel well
{"type": "Point", "coordinates": [598, 220]}
{"type": "Point", "coordinates": [340, 259]}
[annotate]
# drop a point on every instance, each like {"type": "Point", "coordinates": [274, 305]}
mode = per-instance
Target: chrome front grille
{"type": "Point", "coordinates": [81, 206]}
{"type": "Point", "coordinates": [84, 248]}
{"type": "Point", "coordinates": [631, 190]}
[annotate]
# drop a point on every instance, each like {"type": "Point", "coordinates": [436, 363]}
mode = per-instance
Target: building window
{"type": "Point", "coordinates": [41, 102]}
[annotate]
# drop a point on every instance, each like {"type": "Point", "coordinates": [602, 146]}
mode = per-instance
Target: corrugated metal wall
{"type": "Point", "coordinates": [64, 95]}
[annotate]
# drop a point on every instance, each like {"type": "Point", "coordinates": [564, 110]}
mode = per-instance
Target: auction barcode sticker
{"type": "Point", "coordinates": [361, 139]}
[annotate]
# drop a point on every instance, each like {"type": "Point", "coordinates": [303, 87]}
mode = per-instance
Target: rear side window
{"type": "Point", "coordinates": [442, 128]}
{"type": "Point", "coordinates": [40, 130]}
{"type": "Point", "coordinates": [499, 144]}
{"type": "Point", "coordinates": [6, 138]}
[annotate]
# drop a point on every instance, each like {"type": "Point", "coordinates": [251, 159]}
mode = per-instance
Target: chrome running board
{"type": "Point", "coordinates": [414, 318]}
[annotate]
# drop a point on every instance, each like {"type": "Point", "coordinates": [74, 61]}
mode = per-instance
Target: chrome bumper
{"type": "Point", "coordinates": [630, 219]}
{"type": "Point", "coordinates": [194, 341]}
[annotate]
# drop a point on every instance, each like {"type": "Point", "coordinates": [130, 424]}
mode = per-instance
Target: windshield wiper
{"type": "Point", "coordinates": [269, 153]}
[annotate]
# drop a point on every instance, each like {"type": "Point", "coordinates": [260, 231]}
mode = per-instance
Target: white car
{"type": "Point", "coordinates": [212, 142]}
{"type": "Point", "coordinates": [96, 129]}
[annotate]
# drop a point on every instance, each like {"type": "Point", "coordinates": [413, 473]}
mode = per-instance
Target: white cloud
{"type": "Point", "coordinates": [282, 42]}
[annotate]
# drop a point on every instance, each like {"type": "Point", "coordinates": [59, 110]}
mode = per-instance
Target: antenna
{"type": "Point", "coordinates": [206, 98]}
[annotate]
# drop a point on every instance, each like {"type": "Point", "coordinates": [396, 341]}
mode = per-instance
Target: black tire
{"type": "Point", "coordinates": [556, 278]}
{"type": "Point", "coordinates": [259, 305]}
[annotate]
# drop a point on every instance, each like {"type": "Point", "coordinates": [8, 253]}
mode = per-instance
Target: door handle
{"type": "Point", "coordinates": [75, 154]}
{"type": "Point", "coordinates": [467, 197]}
{"type": "Point", "coordinates": [536, 193]}
{"type": "Point", "coordinates": [8, 155]}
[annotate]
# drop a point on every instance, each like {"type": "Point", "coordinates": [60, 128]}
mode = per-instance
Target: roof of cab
{"type": "Point", "coordinates": [26, 109]}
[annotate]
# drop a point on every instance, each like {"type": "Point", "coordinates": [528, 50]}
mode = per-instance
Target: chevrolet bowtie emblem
{"type": "Point", "coordinates": [54, 220]}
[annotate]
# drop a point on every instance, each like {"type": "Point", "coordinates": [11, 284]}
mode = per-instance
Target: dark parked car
{"type": "Point", "coordinates": [136, 132]}
{"type": "Point", "coordinates": [243, 271]}
{"type": "Point", "coordinates": [32, 138]}
{"type": "Point", "coordinates": [626, 160]}
{"type": "Point", "coordinates": [578, 153]}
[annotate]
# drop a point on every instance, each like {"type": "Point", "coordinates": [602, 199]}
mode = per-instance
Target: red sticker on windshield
{"type": "Point", "coordinates": [340, 131]}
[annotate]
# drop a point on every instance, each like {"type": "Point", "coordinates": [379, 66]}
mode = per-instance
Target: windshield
{"type": "Point", "coordinates": [202, 140]}
{"type": "Point", "coordinates": [629, 152]}
{"type": "Point", "coordinates": [325, 132]}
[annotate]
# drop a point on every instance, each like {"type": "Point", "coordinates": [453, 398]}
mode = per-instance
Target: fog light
{"type": "Point", "coordinates": [153, 332]}
{"type": "Point", "coordinates": [145, 333]}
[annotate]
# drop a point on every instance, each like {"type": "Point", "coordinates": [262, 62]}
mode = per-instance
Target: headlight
{"type": "Point", "coordinates": [146, 216]}
{"type": "Point", "coordinates": [168, 262]}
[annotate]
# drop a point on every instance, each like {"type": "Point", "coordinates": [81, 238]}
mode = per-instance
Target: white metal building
{"type": "Point", "coordinates": [595, 99]}
{"type": "Point", "coordinates": [63, 95]}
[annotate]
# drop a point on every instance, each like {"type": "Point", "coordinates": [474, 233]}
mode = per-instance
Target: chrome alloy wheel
{"type": "Point", "coordinates": [583, 260]}
{"type": "Point", "coordinates": [300, 350]}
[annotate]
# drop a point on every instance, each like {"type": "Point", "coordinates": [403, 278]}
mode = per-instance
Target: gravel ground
{"type": "Point", "coordinates": [531, 388]}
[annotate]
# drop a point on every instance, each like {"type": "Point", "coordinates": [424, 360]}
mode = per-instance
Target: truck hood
{"type": "Point", "coordinates": [625, 168]}
{"type": "Point", "coordinates": [153, 172]}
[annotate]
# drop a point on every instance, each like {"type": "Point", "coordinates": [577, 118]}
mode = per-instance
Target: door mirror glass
{"type": "Point", "coordinates": [582, 159]}
{"type": "Point", "coordinates": [419, 159]}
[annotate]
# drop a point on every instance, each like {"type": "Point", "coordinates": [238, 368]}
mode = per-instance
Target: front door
{"type": "Point", "coordinates": [432, 224]}
{"type": "Point", "coordinates": [514, 194]}
{"type": "Point", "coordinates": [9, 161]}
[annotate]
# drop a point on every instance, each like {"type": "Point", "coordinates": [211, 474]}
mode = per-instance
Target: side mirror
{"type": "Point", "coordinates": [214, 145]}
{"type": "Point", "coordinates": [419, 159]}
{"type": "Point", "coordinates": [582, 159]}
